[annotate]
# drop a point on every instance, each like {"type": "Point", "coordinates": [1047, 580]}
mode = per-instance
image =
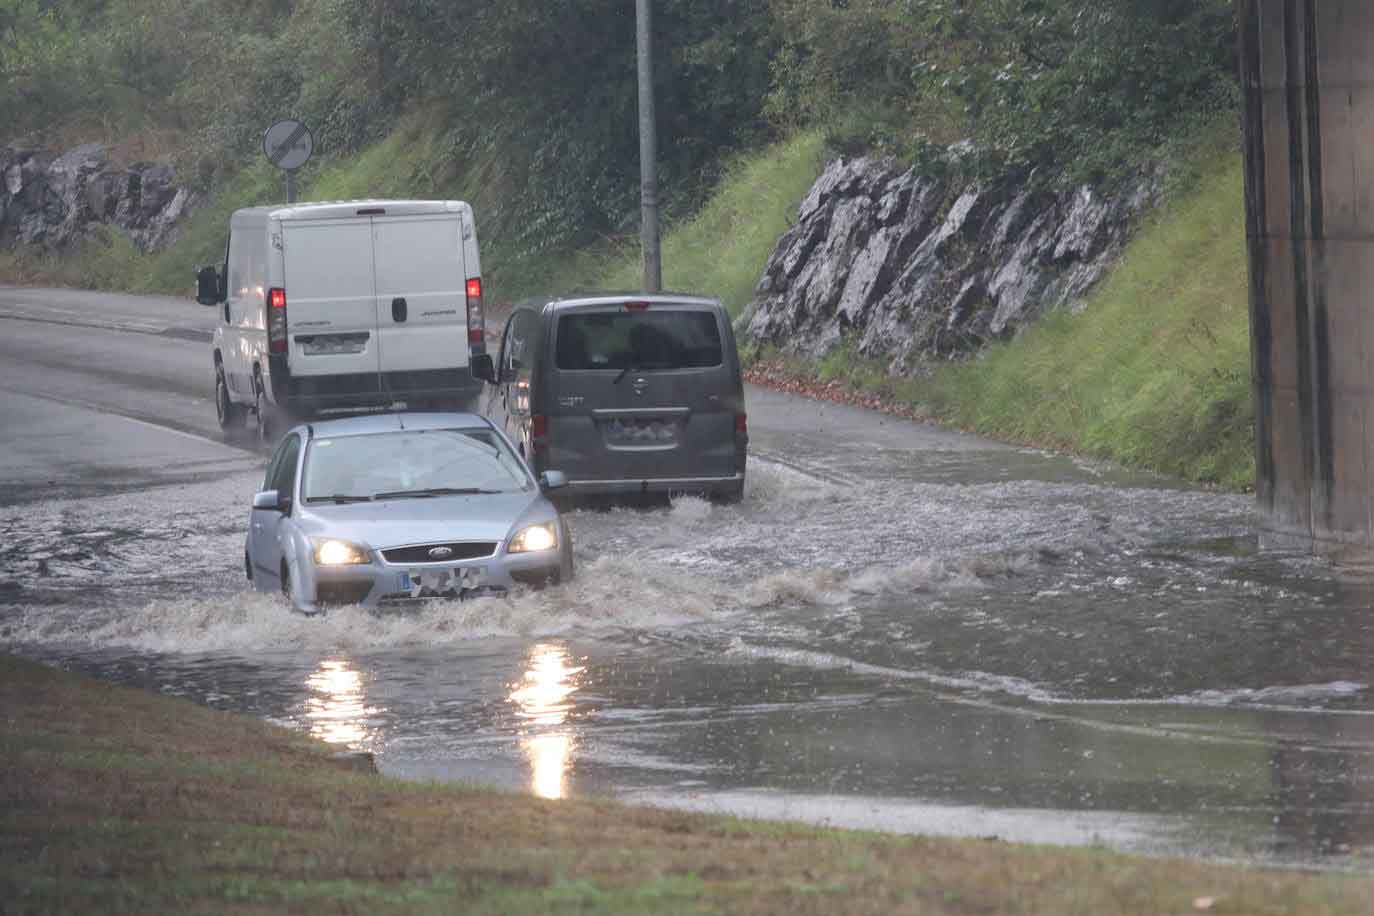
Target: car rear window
{"type": "Point", "coordinates": [665, 339]}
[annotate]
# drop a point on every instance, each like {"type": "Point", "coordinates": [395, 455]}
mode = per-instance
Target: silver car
{"type": "Point", "coordinates": [395, 508]}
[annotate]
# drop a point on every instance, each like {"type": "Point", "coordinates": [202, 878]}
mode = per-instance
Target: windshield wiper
{"type": "Point", "coordinates": [338, 498]}
{"type": "Point", "coordinates": [624, 372]}
{"type": "Point", "coordinates": [433, 491]}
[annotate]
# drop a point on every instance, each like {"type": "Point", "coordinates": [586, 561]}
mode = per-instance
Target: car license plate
{"type": "Point", "coordinates": [641, 432]}
{"type": "Point", "coordinates": [440, 582]}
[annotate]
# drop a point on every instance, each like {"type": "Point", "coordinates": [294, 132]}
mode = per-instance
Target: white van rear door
{"type": "Point", "coordinates": [421, 306]}
{"type": "Point", "coordinates": [331, 313]}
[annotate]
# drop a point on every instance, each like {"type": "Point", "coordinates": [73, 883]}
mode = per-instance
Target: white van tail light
{"type": "Point", "coordinates": [477, 328]}
{"type": "Point", "coordinates": [276, 320]}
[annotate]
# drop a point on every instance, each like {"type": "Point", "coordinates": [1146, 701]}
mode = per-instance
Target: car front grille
{"type": "Point", "coordinates": [420, 553]}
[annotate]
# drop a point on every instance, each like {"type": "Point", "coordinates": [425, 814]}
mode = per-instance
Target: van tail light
{"type": "Point", "coordinates": [539, 432]}
{"type": "Point", "coordinates": [477, 325]}
{"type": "Point", "coordinates": [276, 320]}
{"type": "Point", "coordinates": [742, 423]}
{"type": "Point", "coordinates": [636, 306]}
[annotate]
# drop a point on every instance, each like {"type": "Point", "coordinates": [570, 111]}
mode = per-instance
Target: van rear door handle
{"type": "Point", "coordinates": [398, 309]}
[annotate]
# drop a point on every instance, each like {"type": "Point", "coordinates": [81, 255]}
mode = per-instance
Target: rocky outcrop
{"type": "Point", "coordinates": [911, 268]}
{"type": "Point", "coordinates": [54, 200]}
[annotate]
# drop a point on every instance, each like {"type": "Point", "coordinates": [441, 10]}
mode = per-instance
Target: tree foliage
{"type": "Point", "coordinates": [1084, 87]}
{"type": "Point", "coordinates": [537, 101]}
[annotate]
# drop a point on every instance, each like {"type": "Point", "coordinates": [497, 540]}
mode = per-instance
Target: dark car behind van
{"type": "Point", "coordinates": [624, 393]}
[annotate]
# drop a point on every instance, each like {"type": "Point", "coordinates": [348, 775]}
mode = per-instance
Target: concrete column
{"type": "Point", "coordinates": [1307, 72]}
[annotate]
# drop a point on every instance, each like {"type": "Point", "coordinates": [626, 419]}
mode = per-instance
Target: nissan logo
{"type": "Point", "coordinates": [440, 553]}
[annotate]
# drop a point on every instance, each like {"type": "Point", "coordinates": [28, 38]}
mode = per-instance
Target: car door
{"type": "Point", "coordinates": [266, 536]}
{"type": "Point", "coordinates": [421, 304]}
{"type": "Point", "coordinates": [234, 312]}
{"type": "Point", "coordinates": [330, 294]}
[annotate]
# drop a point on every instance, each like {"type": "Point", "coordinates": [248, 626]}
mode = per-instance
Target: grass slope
{"type": "Point", "coordinates": [1154, 373]}
{"type": "Point", "coordinates": [114, 800]}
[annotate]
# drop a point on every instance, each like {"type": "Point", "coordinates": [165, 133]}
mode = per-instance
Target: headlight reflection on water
{"type": "Point", "coordinates": [544, 700]}
{"type": "Point", "coordinates": [338, 711]}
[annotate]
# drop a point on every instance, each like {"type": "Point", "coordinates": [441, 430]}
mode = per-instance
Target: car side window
{"type": "Point", "coordinates": [272, 466]}
{"type": "Point", "coordinates": [284, 468]}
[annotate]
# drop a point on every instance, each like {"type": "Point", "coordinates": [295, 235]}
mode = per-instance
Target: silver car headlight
{"type": "Point", "coordinates": [543, 536]}
{"type": "Point", "coordinates": [331, 552]}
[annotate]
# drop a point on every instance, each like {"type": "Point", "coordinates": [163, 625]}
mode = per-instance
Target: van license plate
{"type": "Point", "coordinates": [332, 344]}
{"type": "Point", "coordinates": [640, 432]}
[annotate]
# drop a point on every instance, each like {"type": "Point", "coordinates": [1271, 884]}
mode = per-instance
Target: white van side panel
{"type": "Point", "coordinates": [241, 320]}
{"type": "Point", "coordinates": [419, 259]}
{"type": "Point", "coordinates": [331, 315]}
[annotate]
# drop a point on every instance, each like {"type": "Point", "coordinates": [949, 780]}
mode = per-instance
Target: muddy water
{"type": "Point", "coordinates": [928, 636]}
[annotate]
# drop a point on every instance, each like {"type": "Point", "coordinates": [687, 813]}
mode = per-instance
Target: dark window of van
{"type": "Point", "coordinates": [668, 339]}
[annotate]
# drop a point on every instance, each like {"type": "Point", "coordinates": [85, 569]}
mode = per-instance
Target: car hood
{"type": "Point", "coordinates": [397, 522]}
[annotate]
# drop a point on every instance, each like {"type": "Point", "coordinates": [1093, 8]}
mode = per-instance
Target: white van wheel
{"type": "Point", "coordinates": [229, 414]}
{"type": "Point", "coordinates": [267, 420]}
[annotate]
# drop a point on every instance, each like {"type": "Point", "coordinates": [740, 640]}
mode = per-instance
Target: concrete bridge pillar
{"type": "Point", "coordinates": [1307, 71]}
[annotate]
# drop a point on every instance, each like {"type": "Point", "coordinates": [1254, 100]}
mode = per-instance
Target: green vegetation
{"type": "Point", "coordinates": [530, 109]}
{"type": "Point", "coordinates": [534, 104]}
{"type": "Point", "coordinates": [719, 251]}
{"type": "Point", "coordinates": [116, 800]}
{"type": "Point", "coordinates": [1064, 90]}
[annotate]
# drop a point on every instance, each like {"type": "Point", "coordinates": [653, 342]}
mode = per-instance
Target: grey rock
{"type": "Point", "coordinates": [54, 201]}
{"type": "Point", "coordinates": [911, 269]}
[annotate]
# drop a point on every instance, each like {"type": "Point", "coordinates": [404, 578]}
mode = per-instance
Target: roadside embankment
{"type": "Point", "coordinates": [1152, 371]}
{"type": "Point", "coordinates": [119, 800]}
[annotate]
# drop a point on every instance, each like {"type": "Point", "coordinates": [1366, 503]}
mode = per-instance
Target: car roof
{"type": "Point", "coordinates": [595, 298]}
{"type": "Point", "coordinates": [370, 424]}
{"type": "Point", "coordinates": [343, 209]}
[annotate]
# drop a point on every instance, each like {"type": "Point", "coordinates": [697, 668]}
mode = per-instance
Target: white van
{"type": "Point", "coordinates": [345, 305]}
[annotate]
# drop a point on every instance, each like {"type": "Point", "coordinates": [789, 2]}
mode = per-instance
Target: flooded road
{"type": "Point", "coordinates": [899, 628]}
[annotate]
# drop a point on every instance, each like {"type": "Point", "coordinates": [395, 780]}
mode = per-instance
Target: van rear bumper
{"type": "Point", "coordinates": [722, 485]}
{"type": "Point", "coordinates": [306, 392]}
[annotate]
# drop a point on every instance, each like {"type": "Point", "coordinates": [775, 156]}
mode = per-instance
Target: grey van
{"type": "Point", "coordinates": [625, 393]}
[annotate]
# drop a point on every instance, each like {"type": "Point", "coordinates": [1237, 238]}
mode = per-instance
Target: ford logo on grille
{"type": "Point", "coordinates": [440, 553]}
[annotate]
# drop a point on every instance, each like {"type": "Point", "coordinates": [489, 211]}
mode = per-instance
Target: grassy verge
{"type": "Point", "coordinates": [116, 800]}
{"type": "Point", "coordinates": [1155, 373]}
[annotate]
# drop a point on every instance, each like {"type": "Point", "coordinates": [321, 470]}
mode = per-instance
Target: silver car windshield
{"type": "Point", "coordinates": [411, 464]}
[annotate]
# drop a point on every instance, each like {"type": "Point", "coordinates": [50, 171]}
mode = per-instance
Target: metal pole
{"type": "Point", "coordinates": [648, 154]}
{"type": "Point", "coordinates": [290, 186]}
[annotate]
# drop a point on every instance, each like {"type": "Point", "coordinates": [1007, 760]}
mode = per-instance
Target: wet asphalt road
{"type": "Point", "coordinates": [900, 627]}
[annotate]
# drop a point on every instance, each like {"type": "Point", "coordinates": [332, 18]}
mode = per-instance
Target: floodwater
{"type": "Point", "coordinates": [932, 636]}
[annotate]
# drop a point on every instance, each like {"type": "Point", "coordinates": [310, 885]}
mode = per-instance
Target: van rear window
{"type": "Point", "coordinates": [667, 339]}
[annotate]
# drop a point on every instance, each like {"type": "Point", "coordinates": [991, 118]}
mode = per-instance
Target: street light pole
{"type": "Point", "coordinates": [648, 154]}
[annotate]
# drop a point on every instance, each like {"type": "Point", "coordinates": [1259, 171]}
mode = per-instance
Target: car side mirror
{"type": "Point", "coordinates": [272, 501]}
{"type": "Point", "coordinates": [208, 286]}
{"type": "Point", "coordinates": [553, 480]}
{"type": "Point", "coordinates": [483, 369]}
